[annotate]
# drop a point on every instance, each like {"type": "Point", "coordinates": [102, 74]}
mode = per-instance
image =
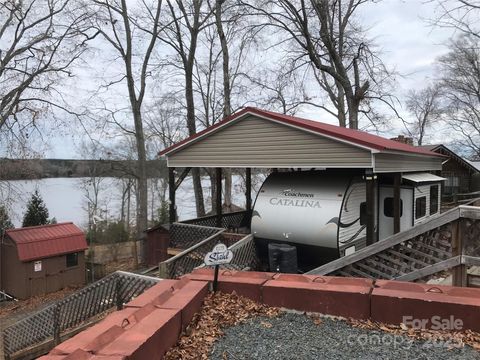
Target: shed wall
{"type": "Point", "coordinates": [255, 142]}
{"type": "Point", "coordinates": [13, 271]}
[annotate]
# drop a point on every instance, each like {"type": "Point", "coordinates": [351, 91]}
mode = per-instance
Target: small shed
{"type": "Point", "coordinates": [38, 260]}
{"type": "Point", "coordinates": [158, 238]}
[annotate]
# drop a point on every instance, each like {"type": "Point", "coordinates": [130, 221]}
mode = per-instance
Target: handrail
{"type": "Point", "coordinates": [180, 223]}
{"type": "Point", "coordinates": [462, 211]}
{"type": "Point", "coordinates": [208, 217]}
{"type": "Point", "coordinates": [246, 238]}
{"type": "Point", "coordinates": [192, 248]}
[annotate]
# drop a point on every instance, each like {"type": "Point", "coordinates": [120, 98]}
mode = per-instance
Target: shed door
{"type": "Point", "coordinates": [385, 227]}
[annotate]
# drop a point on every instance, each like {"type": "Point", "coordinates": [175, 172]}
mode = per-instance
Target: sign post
{"type": "Point", "coordinates": [218, 256]}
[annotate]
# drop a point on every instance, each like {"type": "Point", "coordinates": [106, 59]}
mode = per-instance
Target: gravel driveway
{"type": "Point", "coordinates": [296, 336]}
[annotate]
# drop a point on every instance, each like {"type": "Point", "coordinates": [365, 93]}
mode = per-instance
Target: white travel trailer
{"type": "Point", "coordinates": [323, 214]}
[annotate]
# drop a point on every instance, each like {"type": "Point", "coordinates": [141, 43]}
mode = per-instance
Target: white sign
{"type": "Point", "coordinates": [37, 266]}
{"type": "Point", "coordinates": [219, 255]}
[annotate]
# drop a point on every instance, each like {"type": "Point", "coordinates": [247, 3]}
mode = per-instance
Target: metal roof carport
{"type": "Point", "coordinates": [254, 138]}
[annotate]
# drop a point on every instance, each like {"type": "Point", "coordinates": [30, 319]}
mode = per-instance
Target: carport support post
{"type": "Point", "coordinates": [248, 188]}
{"type": "Point", "coordinates": [171, 194]}
{"type": "Point", "coordinates": [218, 200]}
{"type": "Point", "coordinates": [397, 178]}
{"type": "Point", "coordinates": [370, 198]}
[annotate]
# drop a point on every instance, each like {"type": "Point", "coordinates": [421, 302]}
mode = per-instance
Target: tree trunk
{"type": "Point", "coordinates": [213, 187]}
{"type": "Point", "coordinates": [192, 128]}
{"type": "Point", "coordinates": [142, 186]}
{"type": "Point", "coordinates": [227, 110]}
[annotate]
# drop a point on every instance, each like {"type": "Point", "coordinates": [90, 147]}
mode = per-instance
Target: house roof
{"type": "Point", "coordinates": [39, 242]}
{"type": "Point", "coordinates": [475, 164]}
{"type": "Point", "coordinates": [442, 149]}
{"type": "Point", "coordinates": [355, 137]}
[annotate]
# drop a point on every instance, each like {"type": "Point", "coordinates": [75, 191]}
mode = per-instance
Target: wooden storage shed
{"type": "Point", "coordinates": [38, 260]}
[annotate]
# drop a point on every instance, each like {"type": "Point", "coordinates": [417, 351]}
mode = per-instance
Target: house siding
{"type": "Point", "coordinates": [255, 142]}
{"type": "Point", "coordinates": [397, 163]}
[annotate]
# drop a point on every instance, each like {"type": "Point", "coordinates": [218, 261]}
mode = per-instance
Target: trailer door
{"type": "Point", "coordinates": [385, 219]}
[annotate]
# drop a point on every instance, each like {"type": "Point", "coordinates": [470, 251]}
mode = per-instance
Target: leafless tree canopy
{"type": "Point", "coordinates": [460, 15]}
{"type": "Point", "coordinates": [39, 42]}
{"type": "Point", "coordinates": [326, 36]}
{"type": "Point", "coordinates": [426, 107]}
{"type": "Point", "coordinates": [460, 82]}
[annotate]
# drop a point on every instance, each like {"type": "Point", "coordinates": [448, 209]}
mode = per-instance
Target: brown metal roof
{"type": "Point", "coordinates": [38, 242]}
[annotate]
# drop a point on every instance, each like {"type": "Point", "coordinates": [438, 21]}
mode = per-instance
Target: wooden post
{"type": "Point", "coordinates": [218, 200]}
{"type": "Point", "coordinates": [163, 270]}
{"type": "Point", "coordinates": [118, 297]}
{"type": "Point", "coordinates": [171, 194]}
{"type": "Point", "coordinates": [248, 188]}
{"type": "Point", "coordinates": [56, 324]}
{"type": "Point", "coordinates": [370, 198]}
{"type": "Point", "coordinates": [459, 272]}
{"type": "Point", "coordinates": [397, 178]}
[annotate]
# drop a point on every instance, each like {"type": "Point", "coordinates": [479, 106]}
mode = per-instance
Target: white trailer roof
{"type": "Point", "coordinates": [422, 177]}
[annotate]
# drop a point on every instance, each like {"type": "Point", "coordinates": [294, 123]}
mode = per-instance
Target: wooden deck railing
{"type": "Point", "coordinates": [448, 241]}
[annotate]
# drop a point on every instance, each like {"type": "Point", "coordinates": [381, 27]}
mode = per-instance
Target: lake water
{"type": "Point", "coordinates": [66, 198]}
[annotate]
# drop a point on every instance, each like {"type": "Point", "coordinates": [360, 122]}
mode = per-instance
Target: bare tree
{"type": "Point", "coordinates": [132, 35]}
{"type": "Point", "coordinates": [325, 35]}
{"type": "Point", "coordinates": [188, 19]}
{"type": "Point", "coordinates": [425, 105]}
{"type": "Point", "coordinates": [460, 82]}
{"type": "Point", "coordinates": [40, 40]}
{"type": "Point", "coordinates": [459, 15]}
{"type": "Point", "coordinates": [280, 89]}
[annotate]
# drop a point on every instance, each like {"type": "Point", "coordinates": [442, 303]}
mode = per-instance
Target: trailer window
{"type": "Point", "coordinates": [420, 207]}
{"type": "Point", "coordinates": [72, 259]}
{"type": "Point", "coordinates": [388, 207]}
{"type": "Point", "coordinates": [433, 199]}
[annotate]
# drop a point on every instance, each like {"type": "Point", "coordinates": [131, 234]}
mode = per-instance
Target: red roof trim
{"type": "Point", "coordinates": [355, 137]}
{"type": "Point", "coordinates": [40, 227]}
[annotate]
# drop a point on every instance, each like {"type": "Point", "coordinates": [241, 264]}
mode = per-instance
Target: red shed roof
{"type": "Point", "coordinates": [356, 137]}
{"type": "Point", "coordinates": [38, 242]}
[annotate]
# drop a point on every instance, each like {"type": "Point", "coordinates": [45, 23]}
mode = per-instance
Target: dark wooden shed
{"type": "Point", "coordinates": [38, 260]}
{"type": "Point", "coordinates": [158, 239]}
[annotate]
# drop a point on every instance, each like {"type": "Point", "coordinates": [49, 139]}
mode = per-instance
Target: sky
{"type": "Point", "coordinates": [400, 29]}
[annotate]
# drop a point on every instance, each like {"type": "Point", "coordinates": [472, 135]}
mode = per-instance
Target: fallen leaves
{"type": "Point", "coordinates": [218, 312]}
{"type": "Point", "coordinates": [454, 339]}
{"type": "Point", "coordinates": [266, 324]}
{"type": "Point", "coordinates": [316, 318]}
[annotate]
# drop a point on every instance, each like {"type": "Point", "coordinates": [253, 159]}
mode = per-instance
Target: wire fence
{"type": "Point", "coordinates": [74, 310]}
